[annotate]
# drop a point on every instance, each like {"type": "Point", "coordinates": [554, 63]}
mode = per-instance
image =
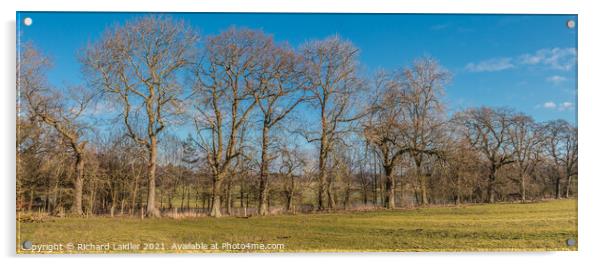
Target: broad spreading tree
{"type": "Point", "coordinates": [488, 131]}
{"type": "Point", "coordinates": [560, 143]}
{"type": "Point", "coordinates": [62, 110]}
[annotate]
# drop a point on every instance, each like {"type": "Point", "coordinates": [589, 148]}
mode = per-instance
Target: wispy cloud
{"type": "Point", "coordinates": [102, 108]}
{"type": "Point", "coordinates": [491, 65]}
{"type": "Point", "coordinates": [549, 105]}
{"type": "Point", "coordinates": [556, 80]}
{"type": "Point", "coordinates": [557, 106]}
{"type": "Point", "coordinates": [565, 106]}
{"type": "Point", "coordinates": [553, 58]}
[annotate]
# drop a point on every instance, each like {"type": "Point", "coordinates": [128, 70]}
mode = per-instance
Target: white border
{"type": "Point", "coordinates": [589, 127]}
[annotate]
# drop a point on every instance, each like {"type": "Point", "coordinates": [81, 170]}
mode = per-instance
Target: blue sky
{"type": "Point", "coordinates": [527, 62]}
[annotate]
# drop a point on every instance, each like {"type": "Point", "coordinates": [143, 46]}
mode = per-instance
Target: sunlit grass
{"type": "Point", "coordinates": [491, 227]}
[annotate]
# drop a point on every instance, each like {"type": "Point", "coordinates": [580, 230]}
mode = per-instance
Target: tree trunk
{"type": "Point", "coordinates": [215, 197]}
{"type": "Point", "coordinates": [401, 187]}
{"type": "Point", "coordinates": [289, 201]}
{"type": "Point", "coordinates": [182, 197]}
{"type": "Point", "coordinates": [242, 193]}
{"type": "Point", "coordinates": [332, 202]}
{"type": "Point", "coordinates": [322, 165]}
{"type": "Point", "coordinates": [523, 189]}
{"type": "Point", "coordinates": [78, 185]}
{"type": "Point", "coordinates": [31, 198]}
{"type": "Point", "coordinates": [382, 188]}
{"type": "Point", "coordinates": [263, 175]}
{"type": "Point", "coordinates": [151, 211]}
{"type": "Point", "coordinates": [568, 186]}
{"type": "Point", "coordinates": [490, 185]}
{"type": "Point", "coordinates": [122, 206]}
{"type": "Point", "coordinates": [347, 200]}
{"type": "Point", "coordinates": [246, 203]}
{"type": "Point", "coordinates": [364, 189]}
{"type": "Point", "coordinates": [229, 196]}
{"type": "Point", "coordinates": [390, 188]}
{"type": "Point", "coordinates": [375, 178]}
{"type": "Point", "coordinates": [47, 196]}
{"type": "Point", "coordinates": [188, 197]}
{"type": "Point", "coordinates": [457, 191]}
{"type": "Point", "coordinates": [113, 201]}
{"type": "Point", "coordinates": [90, 210]}
{"type": "Point", "coordinates": [322, 181]}
{"type": "Point", "coordinates": [134, 192]}
{"type": "Point", "coordinates": [161, 192]}
{"type": "Point", "coordinates": [491, 191]}
{"type": "Point", "coordinates": [558, 187]}
{"type": "Point", "coordinates": [422, 180]}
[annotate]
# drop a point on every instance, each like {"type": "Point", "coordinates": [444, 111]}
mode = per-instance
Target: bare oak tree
{"type": "Point", "coordinates": [384, 127]}
{"type": "Point", "coordinates": [61, 110]}
{"type": "Point", "coordinates": [488, 131]}
{"type": "Point", "coordinates": [292, 162]}
{"type": "Point", "coordinates": [422, 88]}
{"type": "Point", "coordinates": [279, 90]}
{"type": "Point", "coordinates": [560, 143]}
{"type": "Point", "coordinates": [332, 69]}
{"type": "Point", "coordinates": [139, 64]}
{"type": "Point", "coordinates": [227, 81]}
{"type": "Point", "coordinates": [525, 138]}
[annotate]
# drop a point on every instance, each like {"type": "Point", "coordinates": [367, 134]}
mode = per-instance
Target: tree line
{"type": "Point", "coordinates": [238, 123]}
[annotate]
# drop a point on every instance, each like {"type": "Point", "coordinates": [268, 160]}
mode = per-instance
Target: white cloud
{"type": "Point", "coordinates": [549, 105]}
{"type": "Point", "coordinates": [491, 65]}
{"type": "Point", "coordinates": [565, 106]}
{"type": "Point", "coordinates": [556, 80]}
{"type": "Point", "coordinates": [557, 106]}
{"type": "Point", "coordinates": [554, 58]}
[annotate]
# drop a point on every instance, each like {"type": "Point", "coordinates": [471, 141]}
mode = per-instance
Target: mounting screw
{"type": "Point", "coordinates": [570, 24]}
{"type": "Point", "coordinates": [27, 21]}
{"type": "Point", "coordinates": [27, 244]}
{"type": "Point", "coordinates": [570, 242]}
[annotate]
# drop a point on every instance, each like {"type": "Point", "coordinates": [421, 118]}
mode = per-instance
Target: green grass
{"type": "Point", "coordinates": [540, 226]}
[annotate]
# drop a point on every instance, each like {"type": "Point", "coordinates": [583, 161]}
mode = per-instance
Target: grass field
{"type": "Point", "coordinates": [543, 226]}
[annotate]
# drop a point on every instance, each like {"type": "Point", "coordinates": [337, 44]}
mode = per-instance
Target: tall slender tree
{"type": "Point", "coordinates": [422, 88]}
{"type": "Point", "coordinates": [279, 91]}
{"type": "Point", "coordinates": [332, 70]}
{"type": "Point", "coordinates": [384, 127]}
{"type": "Point", "coordinates": [139, 64]}
{"type": "Point", "coordinates": [226, 81]}
{"type": "Point", "coordinates": [525, 138]}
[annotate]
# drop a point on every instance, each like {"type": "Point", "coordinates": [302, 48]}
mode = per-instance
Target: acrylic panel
{"type": "Point", "coordinates": [295, 132]}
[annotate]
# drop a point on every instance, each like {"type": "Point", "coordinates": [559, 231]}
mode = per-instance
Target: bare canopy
{"type": "Point", "coordinates": [138, 64]}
